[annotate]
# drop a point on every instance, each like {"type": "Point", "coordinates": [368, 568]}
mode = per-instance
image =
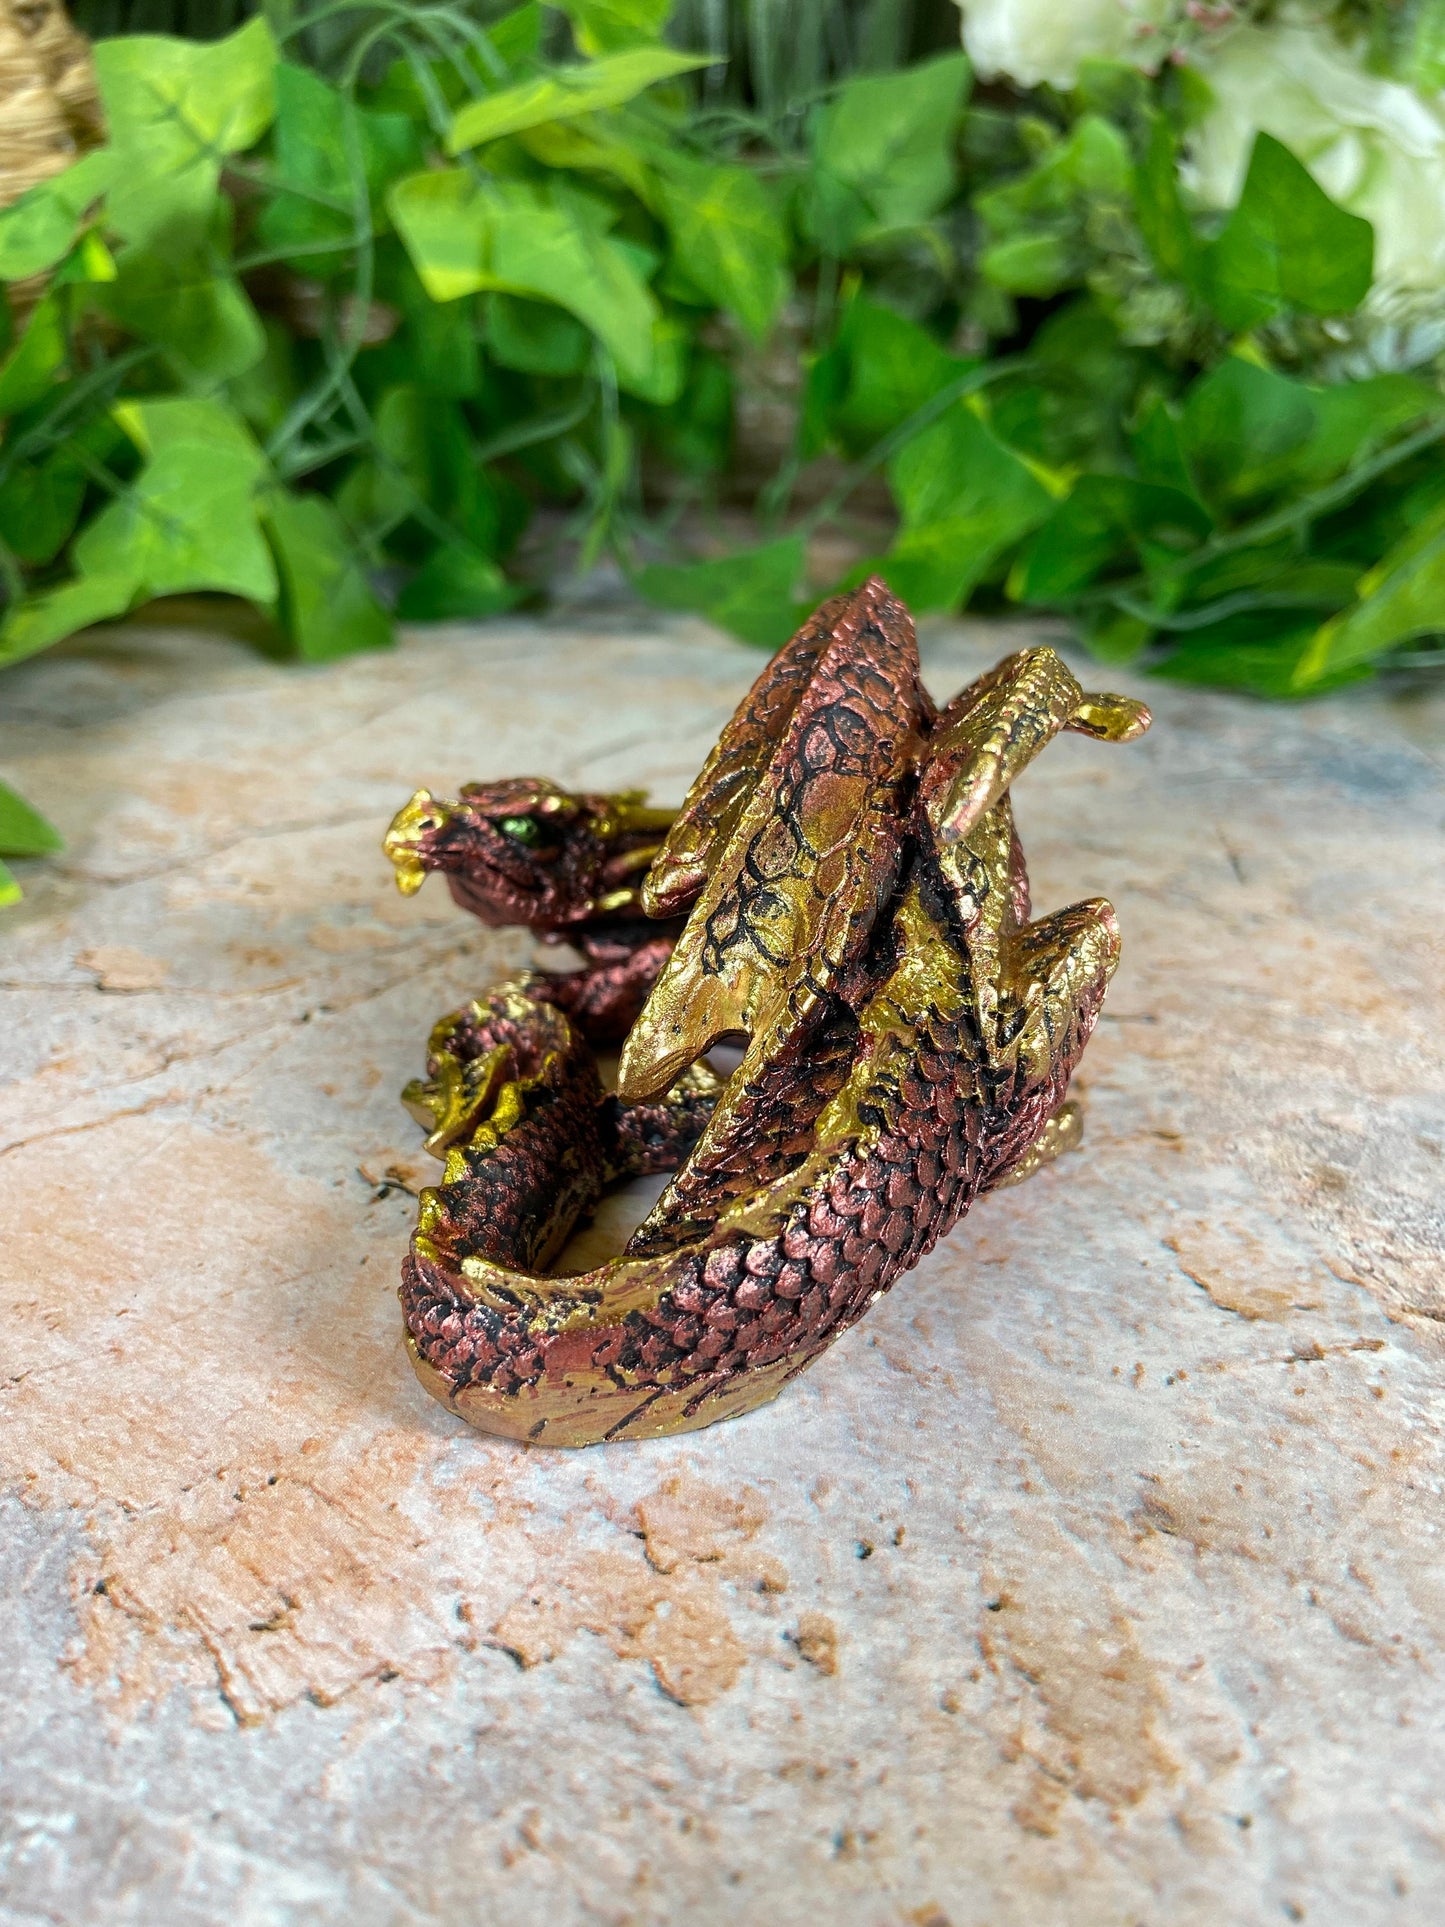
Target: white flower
{"type": "Point", "coordinates": [1031, 41]}
{"type": "Point", "coordinates": [1375, 146]}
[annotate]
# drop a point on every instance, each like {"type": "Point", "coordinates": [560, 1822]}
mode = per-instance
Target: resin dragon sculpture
{"type": "Point", "coordinates": [843, 892]}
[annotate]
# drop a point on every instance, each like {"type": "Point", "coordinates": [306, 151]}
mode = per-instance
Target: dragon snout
{"type": "Point", "coordinates": [406, 840]}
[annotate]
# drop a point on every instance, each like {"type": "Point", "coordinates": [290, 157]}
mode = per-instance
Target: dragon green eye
{"type": "Point", "coordinates": [521, 829]}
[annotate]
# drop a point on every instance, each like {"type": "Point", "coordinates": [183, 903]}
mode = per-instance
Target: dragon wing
{"type": "Point", "coordinates": [791, 837]}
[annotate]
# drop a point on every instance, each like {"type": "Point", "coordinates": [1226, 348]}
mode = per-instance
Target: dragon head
{"type": "Point", "coordinates": [523, 851]}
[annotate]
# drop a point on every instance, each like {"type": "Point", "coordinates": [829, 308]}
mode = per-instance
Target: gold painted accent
{"type": "Point", "coordinates": [589, 1406]}
{"type": "Point", "coordinates": [630, 861]}
{"type": "Point", "coordinates": [629, 813]}
{"type": "Point", "coordinates": [1111, 719]}
{"type": "Point", "coordinates": [459, 1097]}
{"type": "Point", "coordinates": [480, 1099]}
{"type": "Point", "coordinates": [404, 835]}
{"type": "Point", "coordinates": [1064, 1132]}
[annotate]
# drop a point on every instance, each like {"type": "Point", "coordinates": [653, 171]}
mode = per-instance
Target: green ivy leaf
{"type": "Point", "coordinates": [320, 139]}
{"type": "Point", "coordinates": [188, 521]}
{"type": "Point", "coordinates": [695, 435]}
{"type": "Point", "coordinates": [1067, 406]}
{"type": "Point", "coordinates": [1402, 598]}
{"type": "Point", "coordinates": [90, 260]}
{"type": "Point", "coordinates": [1255, 651]}
{"type": "Point", "coordinates": [753, 593]}
{"type": "Point", "coordinates": [1115, 89]}
{"type": "Point", "coordinates": [1286, 245]}
{"type": "Point", "coordinates": [171, 420]}
{"type": "Point", "coordinates": [263, 394]}
{"type": "Point", "coordinates": [1246, 573]}
{"type": "Point", "coordinates": [662, 379]}
{"type": "Point", "coordinates": [1241, 424]}
{"type": "Point", "coordinates": [1424, 57]}
{"type": "Point", "coordinates": [40, 620]}
{"type": "Point", "coordinates": [456, 584]}
{"type": "Point", "coordinates": [728, 239]}
{"type": "Point", "coordinates": [883, 150]}
{"type": "Point", "coordinates": [23, 830]}
{"type": "Point", "coordinates": [1030, 264]}
{"type": "Point", "coordinates": [1156, 442]}
{"type": "Point", "coordinates": [1166, 228]}
{"type": "Point", "coordinates": [1112, 635]}
{"type": "Point", "coordinates": [1353, 419]}
{"type": "Point", "coordinates": [564, 92]}
{"type": "Point", "coordinates": [964, 499]}
{"type": "Point", "coordinates": [191, 305]}
{"type": "Point", "coordinates": [39, 504]}
{"type": "Point", "coordinates": [1240, 619]}
{"type": "Point", "coordinates": [42, 496]}
{"type": "Point", "coordinates": [534, 338]}
{"type": "Point", "coordinates": [590, 147]}
{"type": "Point", "coordinates": [41, 354]}
{"type": "Point", "coordinates": [424, 460]}
{"type": "Point", "coordinates": [1104, 520]}
{"type": "Point", "coordinates": [879, 369]}
{"type": "Point", "coordinates": [325, 603]}
{"type": "Point", "coordinates": [605, 26]}
{"type": "Point", "coordinates": [464, 237]}
{"type": "Point", "coordinates": [175, 108]}
{"type": "Point", "coordinates": [516, 37]}
{"type": "Point", "coordinates": [1038, 221]}
{"type": "Point", "coordinates": [436, 346]}
{"type": "Point", "coordinates": [513, 41]}
{"type": "Point", "coordinates": [41, 226]}
{"type": "Point", "coordinates": [1249, 434]}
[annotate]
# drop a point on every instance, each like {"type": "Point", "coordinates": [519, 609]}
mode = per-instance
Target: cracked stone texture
{"type": "Point", "coordinates": [1095, 1578]}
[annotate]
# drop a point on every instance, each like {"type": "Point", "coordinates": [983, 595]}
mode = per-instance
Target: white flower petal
{"type": "Point", "coordinates": [1373, 144]}
{"type": "Point", "coordinates": [1036, 41]}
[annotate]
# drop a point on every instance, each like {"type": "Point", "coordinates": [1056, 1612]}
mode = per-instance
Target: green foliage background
{"type": "Point", "coordinates": [423, 296]}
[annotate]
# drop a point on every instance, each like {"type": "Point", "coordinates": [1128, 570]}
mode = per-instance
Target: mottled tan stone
{"type": "Point", "coordinates": [1096, 1579]}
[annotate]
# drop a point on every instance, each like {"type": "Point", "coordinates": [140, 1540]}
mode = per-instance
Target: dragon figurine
{"type": "Point", "coordinates": [843, 895]}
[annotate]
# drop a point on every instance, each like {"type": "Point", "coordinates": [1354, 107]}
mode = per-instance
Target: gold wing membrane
{"type": "Point", "coordinates": [791, 833]}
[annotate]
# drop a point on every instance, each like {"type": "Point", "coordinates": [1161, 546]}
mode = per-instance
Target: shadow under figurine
{"type": "Point", "coordinates": [843, 893]}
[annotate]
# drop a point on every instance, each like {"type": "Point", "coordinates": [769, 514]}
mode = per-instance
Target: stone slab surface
{"type": "Point", "coordinates": [1095, 1580]}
